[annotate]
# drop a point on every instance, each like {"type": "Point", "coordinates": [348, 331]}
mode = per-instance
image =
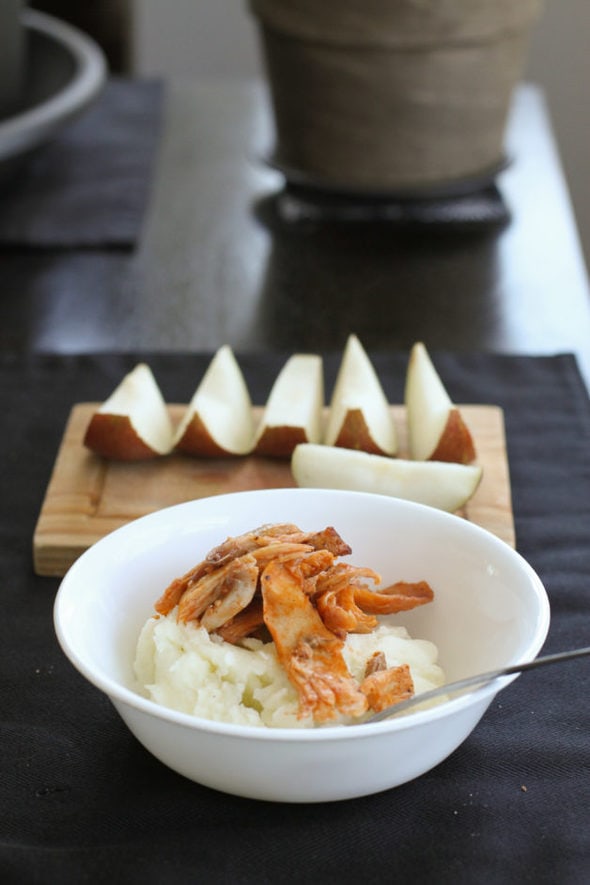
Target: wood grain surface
{"type": "Point", "coordinates": [88, 497]}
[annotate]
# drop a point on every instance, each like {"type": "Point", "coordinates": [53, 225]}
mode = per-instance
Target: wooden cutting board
{"type": "Point", "coordinates": [88, 497]}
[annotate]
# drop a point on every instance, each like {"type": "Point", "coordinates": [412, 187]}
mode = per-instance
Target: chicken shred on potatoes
{"type": "Point", "coordinates": [288, 583]}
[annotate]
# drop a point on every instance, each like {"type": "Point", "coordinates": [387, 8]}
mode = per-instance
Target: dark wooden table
{"type": "Point", "coordinates": [217, 264]}
{"type": "Point", "coordinates": [82, 801]}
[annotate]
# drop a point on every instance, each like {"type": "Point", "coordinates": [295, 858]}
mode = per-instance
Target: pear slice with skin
{"type": "Point", "coordinates": [360, 416]}
{"type": "Point", "coordinates": [293, 412]}
{"type": "Point", "coordinates": [436, 483]}
{"type": "Point", "coordinates": [219, 420]}
{"type": "Point", "coordinates": [133, 423]}
{"type": "Point", "coordinates": [436, 429]}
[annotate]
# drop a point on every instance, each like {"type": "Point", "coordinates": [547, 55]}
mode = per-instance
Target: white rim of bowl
{"type": "Point", "coordinates": [128, 696]}
{"type": "Point", "coordinates": [85, 84]}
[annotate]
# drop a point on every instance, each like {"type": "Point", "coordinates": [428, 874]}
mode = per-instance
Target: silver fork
{"type": "Point", "coordinates": [475, 681]}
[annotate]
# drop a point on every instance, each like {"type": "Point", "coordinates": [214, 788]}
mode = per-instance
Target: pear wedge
{"type": "Point", "coordinates": [133, 423]}
{"type": "Point", "coordinates": [219, 420]}
{"type": "Point", "coordinates": [436, 429]}
{"type": "Point", "coordinates": [360, 416]}
{"type": "Point", "coordinates": [293, 412]}
{"type": "Point", "coordinates": [439, 484]}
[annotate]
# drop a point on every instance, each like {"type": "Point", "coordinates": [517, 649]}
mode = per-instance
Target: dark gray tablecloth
{"type": "Point", "coordinates": [90, 185]}
{"type": "Point", "coordinates": [81, 801]}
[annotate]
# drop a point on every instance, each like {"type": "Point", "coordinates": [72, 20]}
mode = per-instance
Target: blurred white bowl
{"type": "Point", "coordinates": [65, 71]}
{"type": "Point", "coordinates": [490, 609]}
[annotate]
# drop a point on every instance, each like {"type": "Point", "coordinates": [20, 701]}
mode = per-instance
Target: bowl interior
{"type": "Point", "coordinates": [490, 608]}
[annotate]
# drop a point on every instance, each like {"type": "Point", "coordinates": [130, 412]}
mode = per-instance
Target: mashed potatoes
{"type": "Point", "coordinates": [181, 666]}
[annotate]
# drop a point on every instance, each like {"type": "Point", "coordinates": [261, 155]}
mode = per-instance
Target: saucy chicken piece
{"type": "Point", "coordinates": [348, 605]}
{"type": "Point", "coordinates": [310, 653]}
{"type": "Point", "coordinates": [223, 553]}
{"type": "Point", "coordinates": [341, 614]}
{"type": "Point", "coordinates": [310, 567]}
{"type": "Point", "coordinates": [236, 593]}
{"type": "Point", "coordinates": [259, 537]}
{"type": "Point", "coordinates": [376, 662]}
{"type": "Point", "coordinates": [384, 688]}
{"type": "Point", "coordinates": [265, 535]}
{"type": "Point", "coordinates": [249, 542]}
{"type": "Point", "coordinates": [237, 580]}
{"type": "Point", "coordinates": [343, 575]}
{"type": "Point", "coordinates": [326, 539]}
{"type": "Point", "coordinates": [247, 623]}
{"type": "Point", "coordinates": [399, 597]}
{"type": "Point", "coordinates": [281, 549]}
{"type": "Point", "coordinates": [173, 592]}
{"type": "Point", "coordinates": [280, 580]}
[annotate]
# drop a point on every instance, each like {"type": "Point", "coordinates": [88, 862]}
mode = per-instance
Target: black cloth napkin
{"type": "Point", "coordinates": [89, 187]}
{"type": "Point", "coordinates": [81, 801]}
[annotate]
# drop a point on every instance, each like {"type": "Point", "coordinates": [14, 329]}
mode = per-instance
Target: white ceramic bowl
{"type": "Point", "coordinates": [490, 610]}
{"type": "Point", "coordinates": [66, 70]}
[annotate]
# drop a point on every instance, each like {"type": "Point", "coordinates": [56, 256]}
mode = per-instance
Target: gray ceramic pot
{"type": "Point", "coordinates": [392, 94]}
